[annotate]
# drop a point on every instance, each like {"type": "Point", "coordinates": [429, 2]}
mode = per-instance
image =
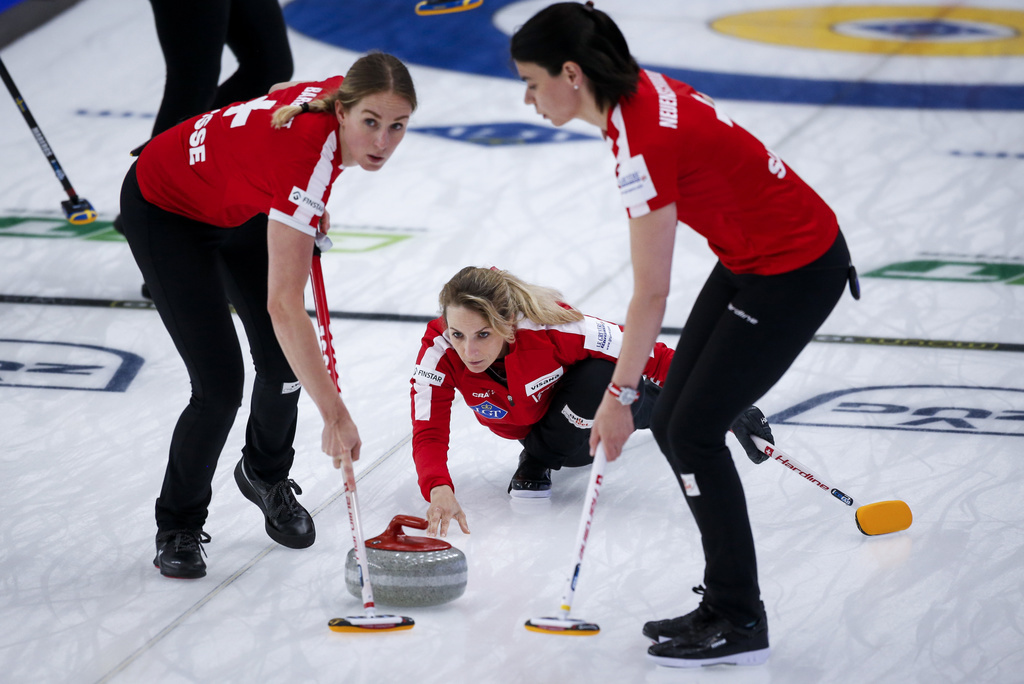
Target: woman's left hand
{"type": "Point", "coordinates": [613, 424]}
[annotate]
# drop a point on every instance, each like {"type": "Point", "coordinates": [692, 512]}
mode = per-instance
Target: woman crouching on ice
{"type": "Point", "coordinates": [531, 367]}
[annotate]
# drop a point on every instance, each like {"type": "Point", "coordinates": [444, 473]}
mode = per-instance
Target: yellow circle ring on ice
{"type": "Point", "coordinates": [923, 31]}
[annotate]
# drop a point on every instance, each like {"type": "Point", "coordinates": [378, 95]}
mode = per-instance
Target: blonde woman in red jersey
{"type": "Point", "coordinates": [783, 264]}
{"type": "Point", "coordinates": [531, 368]}
{"type": "Point", "coordinates": [224, 209]}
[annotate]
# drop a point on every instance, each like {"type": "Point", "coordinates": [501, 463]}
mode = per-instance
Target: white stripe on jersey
{"type": "Point", "coordinates": [623, 158]}
{"type": "Point", "coordinates": [423, 391]}
{"type": "Point", "coordinates": [598, 335]}
{"type": "Point", "coordinates": [316, 186]}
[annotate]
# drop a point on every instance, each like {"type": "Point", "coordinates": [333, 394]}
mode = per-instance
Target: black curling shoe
{"type": "Point", "coordinates": [703, 637]}
{"type": "Point", "coordinates": [532, 479]}
{"type": "Point", "coordinates": [288, 523]}
{"type": "Point", "coordinates": [179, 553]}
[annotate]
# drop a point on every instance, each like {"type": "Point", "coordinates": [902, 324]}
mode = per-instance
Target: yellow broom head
{"type": "Point", "coordinates": [884, 517]}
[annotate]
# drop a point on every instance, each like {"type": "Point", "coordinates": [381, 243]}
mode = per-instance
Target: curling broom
{"type": "Point", "coordinates": [563, 624]}
{"type": "Point", "coordinates": [881, 517]}
{"type": "Point", "coordinates": [370, 622]}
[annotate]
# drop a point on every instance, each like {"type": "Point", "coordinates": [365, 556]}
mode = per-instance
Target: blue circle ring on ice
{"type": "Point", "coordinates": [469, 42]}
{"type": "Point", "coordinates": [919, 30]}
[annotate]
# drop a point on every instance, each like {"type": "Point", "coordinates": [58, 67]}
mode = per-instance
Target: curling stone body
{"type": "Point", "coordinates": [407, 570]}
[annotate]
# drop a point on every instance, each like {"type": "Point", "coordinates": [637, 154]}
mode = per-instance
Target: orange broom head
{"type": "Point", "coordinates": [562, 626]}
{"type": "Point", "coordinates": [381, 623]}
{"type": "Point", "coordinates": [884, 517]}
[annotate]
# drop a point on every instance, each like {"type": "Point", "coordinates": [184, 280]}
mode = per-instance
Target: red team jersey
{"type": "Point", "coordinates": [226, 166]}
{"type": "Point", "coordinates": [536, 359]}
{"type": "Point", "coordinates": [672, 144]}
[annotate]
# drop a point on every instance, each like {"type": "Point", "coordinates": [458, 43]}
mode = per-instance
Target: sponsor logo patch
{"type": "Point", "coordinates": [743, 314]}
{"type": "Point", "coordinates": [428, 375]}
{"type": "Point", "coordinates": [578, 421]}
{"type": "Point", "coordinates": [490, 411]}
{"type": "Point", "coordinates": [689, 484]}
{"type": "Point", "coordinates": [635, 184]}
{"type": "Point", "coordinates": [301, 198]}
{"type": "Point", "coordinates": [602, 336]}
{"type": "Point", "coordinates": [289, 387]}
{"type": "Point", "coordinates": [543, 382]}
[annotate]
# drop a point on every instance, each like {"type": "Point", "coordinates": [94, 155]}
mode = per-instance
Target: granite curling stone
{"type": "Point", "coordinates": [409, 571]}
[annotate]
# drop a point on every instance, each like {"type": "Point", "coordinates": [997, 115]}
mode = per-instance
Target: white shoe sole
{"type": "Point", "coordinates": [759, 657]}
{"type": "Point", "coordinates": [530, 493]}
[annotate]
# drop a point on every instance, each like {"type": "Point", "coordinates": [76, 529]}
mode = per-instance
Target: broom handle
{"type": "Point", "coordinates": [800, 469]}
{"type": "Point", "coordinates": [583, 532]}
{"type": "Point", "coordinates": [323, 319]}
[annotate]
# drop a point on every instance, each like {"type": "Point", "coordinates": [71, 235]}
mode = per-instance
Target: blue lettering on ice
{"type": "Point", "coordinates": [498, 134]}
{"type": "Point", "coordinates": [44, 365]}
{"type": "Point", "coordinates": [490, 411]}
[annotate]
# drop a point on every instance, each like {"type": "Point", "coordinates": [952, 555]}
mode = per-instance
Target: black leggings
{"type": "Point", "coordinates": [742, 335]}
{"type": "Point", "coordinates": [193, 35]}
{"type": "Point", "coordinates": [562, 436]}
{"type": "Point", "coordinates": [193, 270]}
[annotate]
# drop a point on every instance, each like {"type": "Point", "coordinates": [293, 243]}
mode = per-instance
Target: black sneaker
{"type": "Point", "coordinates": [706, 638]}
{"type": "Point", "coordinates": [287, 522]}
{"type": "Point", "coordinates": [532, 479]}
{"type": "Point", "coordinates": [667, 630]}
{"type": "Point", "coordinates": [179, 553]}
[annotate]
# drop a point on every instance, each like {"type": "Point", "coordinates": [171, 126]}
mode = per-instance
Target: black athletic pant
{"type": "Point", "coordinates": [193, 34]}
{"type": "Point", "coordinates": [562, 436]}
{"type": "Point", "coordinates": [193, 270]}
{"type": "Point", "coordinates": [742, 335]}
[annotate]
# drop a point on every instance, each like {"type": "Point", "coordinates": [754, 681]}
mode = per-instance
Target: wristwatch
{"type": "Point", "coordinates": [624, 395]}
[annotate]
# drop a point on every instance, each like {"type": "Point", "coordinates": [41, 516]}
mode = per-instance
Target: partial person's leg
{"type": "Point", "coordinates": [262, 472]}
{"type": "Point", "coordinates": [270, 432]}
{"type": "Point", "coordinates": [258, 37]}
{"type": "Point", "coordinates": [192, 36]}
{"type": "Point", "coordinates": [752, 344]}
{"type": "Point", "coordinates": [562, 436]}
{"type": "Point", "coordinates": [177, 257]}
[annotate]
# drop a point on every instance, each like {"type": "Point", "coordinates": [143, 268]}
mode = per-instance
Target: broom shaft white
{"type": "Point", "coordinates": [583, 532]}
{"type": "Point", "coordinates": [324, 319]}
{"type": "Point", "coordinates": [782, 458]}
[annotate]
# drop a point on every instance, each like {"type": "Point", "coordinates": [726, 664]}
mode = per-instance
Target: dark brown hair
{"type": "Point", "coordinates": [575, 32]}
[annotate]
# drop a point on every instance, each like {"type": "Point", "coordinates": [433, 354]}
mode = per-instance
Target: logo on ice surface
{"type": "Point", "coordinates": [63, 365]}
{"type": "Point", "coordinates": [921, 408]}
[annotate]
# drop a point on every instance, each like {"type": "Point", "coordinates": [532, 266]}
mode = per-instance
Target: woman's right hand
{"type": "Point", "coordinates": [443, 507]}
{"type": "Point", "coordinates": [341, 442]}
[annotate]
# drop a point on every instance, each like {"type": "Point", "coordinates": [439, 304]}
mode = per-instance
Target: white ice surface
{"type": "Point", "coordinates": [941, 602]}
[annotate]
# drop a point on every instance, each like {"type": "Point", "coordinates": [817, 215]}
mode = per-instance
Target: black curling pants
{"type": "Point", "coordinates": [742, 335]}
{"type": "Point", "coordinates": [193, 271]}
{"type": "Point", "coordinates": [562, 436]}
{"type": "Point", "coordinates": [192, 36]}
